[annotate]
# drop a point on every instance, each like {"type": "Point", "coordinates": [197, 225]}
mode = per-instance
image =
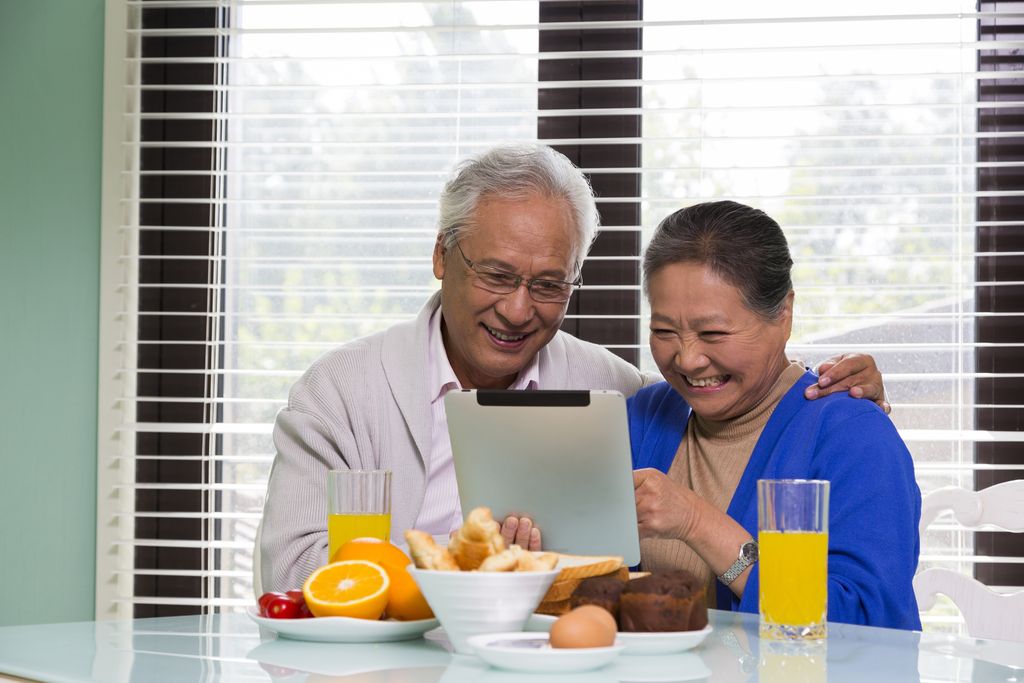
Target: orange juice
{"type": "Point", "coordinates": [343, 528]}
{"type": "Point", "coordinates": [794, 579]}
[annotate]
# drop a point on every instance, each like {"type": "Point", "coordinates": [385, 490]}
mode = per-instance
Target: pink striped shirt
{"type": "Point", "coordinates": [441, 512]}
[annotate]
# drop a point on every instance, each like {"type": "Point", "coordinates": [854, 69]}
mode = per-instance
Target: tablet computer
{"type": "Point", "coordinates": [561, 458]}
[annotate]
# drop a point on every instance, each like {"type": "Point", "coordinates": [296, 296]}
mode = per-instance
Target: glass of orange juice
{"type": "Point", "coordinates": [792, 539]}
{"type": "Point", "coordinates": [360, 506]}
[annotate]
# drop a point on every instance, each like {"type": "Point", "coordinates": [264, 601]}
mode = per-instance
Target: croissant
{"type": "Point", "coordinates": [505, 561]}
{"type": "Point", "coordinates": [426, 554]}
{"type": "Point", "coordinates": [528, 562]}
{"type": "Point", "coordinates": [477, 539]}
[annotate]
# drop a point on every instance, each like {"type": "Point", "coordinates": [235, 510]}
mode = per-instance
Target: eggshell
{"type": "Point", "coordinates": [581, 628]}
{"type": "Point", "coordinates": [601, 614]}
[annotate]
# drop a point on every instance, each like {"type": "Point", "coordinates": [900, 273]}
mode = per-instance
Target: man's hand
{"type": "Point", "coordinates": [521, 531]}
{"type": "Point", "coordinates": [516, 531]}
{"type": "Point", "coordinates": [853, 372]}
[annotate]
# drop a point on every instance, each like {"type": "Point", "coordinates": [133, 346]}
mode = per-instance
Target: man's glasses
{"type": "Point", "coordinates": [503, 282]}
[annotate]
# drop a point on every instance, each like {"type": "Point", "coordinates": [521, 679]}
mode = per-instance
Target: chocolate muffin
{"type": "Point", "coordinates": [602, 591]}
{"type": "Point", "coordinates": [669, 601]}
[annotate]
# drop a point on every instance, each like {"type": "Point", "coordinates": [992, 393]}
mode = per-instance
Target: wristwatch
{"type": "Point", "coordinates": [748, 556]}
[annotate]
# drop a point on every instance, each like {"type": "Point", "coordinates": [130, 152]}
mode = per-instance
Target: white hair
{"type": "Point", "coordinates": [517, 171]}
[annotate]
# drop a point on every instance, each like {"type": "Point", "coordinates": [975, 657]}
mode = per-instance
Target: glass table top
{"type": "Point", "coordinates": [230, 647]}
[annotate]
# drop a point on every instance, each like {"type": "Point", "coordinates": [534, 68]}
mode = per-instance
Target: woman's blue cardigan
{"type": "Point", "coordinates": [874, 505]}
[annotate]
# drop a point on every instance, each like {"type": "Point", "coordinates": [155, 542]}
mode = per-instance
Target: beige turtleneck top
{"type": "Point", "coordinates": [711, 459]}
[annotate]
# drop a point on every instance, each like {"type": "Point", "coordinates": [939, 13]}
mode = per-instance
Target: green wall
{"type": "Point", "coordinates": [51, 109]}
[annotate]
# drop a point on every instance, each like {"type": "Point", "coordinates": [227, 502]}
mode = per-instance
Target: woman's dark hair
{"type": "Point", "coordinates": [742, 245]}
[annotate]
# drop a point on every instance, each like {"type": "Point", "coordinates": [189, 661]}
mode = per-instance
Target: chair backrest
{"type": "Point", "coordinates": [988, 614]}
{"type": "Point", "coordinates": [1001, 505]}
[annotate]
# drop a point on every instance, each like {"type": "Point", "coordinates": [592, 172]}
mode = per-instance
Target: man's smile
{"type": "Point", "coordinates": [503, 337]}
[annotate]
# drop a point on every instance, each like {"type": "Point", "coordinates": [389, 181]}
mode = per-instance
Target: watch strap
{"type": "Point", "coordinates": [739, 565]}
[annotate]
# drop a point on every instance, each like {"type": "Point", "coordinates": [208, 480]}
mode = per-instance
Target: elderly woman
{"type": "Point", "coordinates": [733, 411]}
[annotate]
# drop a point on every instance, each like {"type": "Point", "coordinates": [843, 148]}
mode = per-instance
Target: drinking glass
{"type": "Point", "coordinates": [360, 506]}
{"type": "Point", "coordinates": [792, 535]}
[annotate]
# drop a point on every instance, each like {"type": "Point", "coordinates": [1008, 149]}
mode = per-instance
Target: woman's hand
{"type": "Point", "coordinates": [853, 372]}
{"type": "Point", "coordinates": [665, 509]}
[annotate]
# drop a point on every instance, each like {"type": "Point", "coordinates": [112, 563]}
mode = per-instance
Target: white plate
{"type": "Point", "coordinates": [638, 643]}
{"type": "Point", "coordinates": [531, 652]}
{"type": "Point", "coordinates": [343, 629]}
{"type": "Point", "coordinates": [662, 643]}
{"type": "Point", "coordinates": [540, 622]}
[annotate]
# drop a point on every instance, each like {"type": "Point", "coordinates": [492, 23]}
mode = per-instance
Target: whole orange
{"type": "Point", "coordinates": [405, 601]}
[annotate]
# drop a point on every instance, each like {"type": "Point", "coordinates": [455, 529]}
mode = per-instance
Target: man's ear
{"type": "Point", "coordinates": [439, 254]}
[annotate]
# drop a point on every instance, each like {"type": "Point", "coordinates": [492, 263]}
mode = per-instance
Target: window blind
{"type": "Point", "coordinates": [323, 131]}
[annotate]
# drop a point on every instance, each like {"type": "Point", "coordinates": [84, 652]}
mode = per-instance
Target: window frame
{"type": "Point", "coordinates": [116, 469]}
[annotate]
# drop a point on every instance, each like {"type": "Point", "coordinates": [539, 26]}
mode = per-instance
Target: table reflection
{"type": "Point", "coordinates": [229, 648]}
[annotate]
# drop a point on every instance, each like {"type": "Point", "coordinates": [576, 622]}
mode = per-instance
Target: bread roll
{"type": "Point", "coordinates": [477, 539]}
{"type": "Point", "coordinates": [426, 554]}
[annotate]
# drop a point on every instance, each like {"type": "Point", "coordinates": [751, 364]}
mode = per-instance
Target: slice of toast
{"type": "Point", "coordinates": [585, 566]}
{"type": "Point", "coordinates": [561, 590]}
{"type": "Point", "coordinates": [555, 608]}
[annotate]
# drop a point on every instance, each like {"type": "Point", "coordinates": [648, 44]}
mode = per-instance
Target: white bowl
{"type": "Point", "coordinates": [470, 603]}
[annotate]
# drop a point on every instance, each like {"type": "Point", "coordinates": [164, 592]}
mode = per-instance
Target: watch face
{"type": "Point", "coordinates": [749, 551]}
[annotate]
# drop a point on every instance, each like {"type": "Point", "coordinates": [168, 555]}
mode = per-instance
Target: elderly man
{"type": "Point", "coordinates": [514, 227]}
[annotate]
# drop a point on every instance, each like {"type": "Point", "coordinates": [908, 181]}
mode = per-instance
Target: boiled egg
{"type": "Point", "coordinates": [585, 626]}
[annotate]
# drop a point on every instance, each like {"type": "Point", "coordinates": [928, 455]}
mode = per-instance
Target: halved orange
{"type": "Point", "coordinates": [353, 588]}
{"type": "Point", "coordinates": [405, 601]}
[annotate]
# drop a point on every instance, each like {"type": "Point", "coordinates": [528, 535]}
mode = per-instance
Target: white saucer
{"type": "Point", "coordinates": [637, 643]}
{"type": "Point", "coordinates": [343, 629]}
{"type": "Point", "coordinates": [662, 643]}
{"type": "Point", "coordinates": [531, 653]}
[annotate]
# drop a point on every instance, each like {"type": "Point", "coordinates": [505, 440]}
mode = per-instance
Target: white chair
{"type": "Point", "coordinates": [988, 614]}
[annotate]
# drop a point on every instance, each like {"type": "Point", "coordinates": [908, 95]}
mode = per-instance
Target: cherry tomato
{"type": "Point", "coordinates": [283, 607]}
{"type": "Point", "coordinates": [266, 598]}
{"type": "Point", "coordinates": [298, 597]}
{"type": "Point", "coordinates": [304, 612]}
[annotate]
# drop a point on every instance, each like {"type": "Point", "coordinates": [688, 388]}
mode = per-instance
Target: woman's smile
{"type": "Point", "coordinates": [707, 382]}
